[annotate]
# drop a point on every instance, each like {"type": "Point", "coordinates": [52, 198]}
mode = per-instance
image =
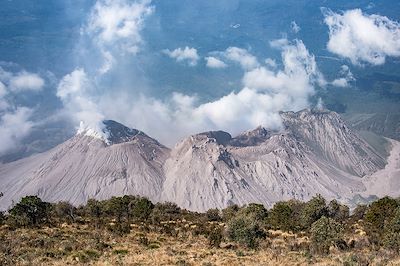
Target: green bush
{"type": "Point", "coordinates": [166, 211]}
{"type": "Point", "coordinates": [281, 216]}
{"type": "Point", "coordinates": [121, 252]}
{"type": "Point", "coordinates": [141, 208]}
{"type": "Point", "coordinates": [391, 239]}
{"type": "Point", "coordinates": [324, 233]}
{"type": "Point", "coordinates": [213, 215]}
{"type": "Point", "coordinates": [313, 210]}
{"type": "Point", "coordinates": [245, 230]}
{"type": "Point", "coordinates": [229, 212]}
{"type": "Point", "coordinates": [30, 211]}
{"type": "Point", "coordinates": [338, 212]}
{"type": "Point", "coordinates": [359, 212]}
{"type": "Point", "coordinates": [116, 207]}
{"type": "Point", "coordinates": [379, 213]}
{"type": "Point", "coordinates": [215, 237]}
{"type": "Point", "coordinates": [255, 211]}
{"type": "Point", "coordinates": [120, 228]}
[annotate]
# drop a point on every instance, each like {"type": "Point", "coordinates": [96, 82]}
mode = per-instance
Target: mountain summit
{"type": "Point", "coordinates": [316, 152]}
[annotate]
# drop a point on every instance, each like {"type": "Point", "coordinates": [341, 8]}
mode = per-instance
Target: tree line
{"type": "Point", "coordinates": [325, 223]}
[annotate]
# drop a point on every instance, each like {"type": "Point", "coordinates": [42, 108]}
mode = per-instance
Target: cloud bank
{"type": "Point", "coordinates": [268, 87]}
{"type": "Point", "coordinates": [362, 38]}
{"type": "Point", "coordinates": [15, 120]}
{"type": "Point", "coordinates": [265, 92]}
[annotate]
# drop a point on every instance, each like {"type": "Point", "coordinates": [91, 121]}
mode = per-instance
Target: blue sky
{"type": "Point", "coordinates": [173, 68]}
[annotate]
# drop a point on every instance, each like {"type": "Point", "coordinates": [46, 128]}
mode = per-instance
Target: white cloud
{"type": "Point", "coordinates": [115, 26]}
{"type": "Point", "coordinates": [361, 37]}
{"type": "Point", "coordinates": [15, 121]}
{"type": "Point", "coordinates": [14, 126]}
{"type": "Point", "coordinates": [186, 54]}
{"type": "Point", "coordinates": [295, 28]}
{"type": "Point", "coordinates": [213, 62]}
{"type": "Point", "coordinates": [25, 81]}
{"type": "Point", "coordinates": [265, 93]}
{"type": "Point", "coordinates": [74, 90]}
{"type": "Point", "coordinates": [241, 56]}
{"type": "Point", "coordinates": [346, 79]}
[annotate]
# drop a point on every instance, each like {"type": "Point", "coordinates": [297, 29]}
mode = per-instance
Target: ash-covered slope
{"type": "Point", "coordinates": [328, 137]}
{"type": "Point", "coordinates": [90, 165]}
{"type": "Point", "coordinates": [316, 153]}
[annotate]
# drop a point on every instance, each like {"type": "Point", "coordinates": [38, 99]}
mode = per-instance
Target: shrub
{"type": "Point", "coordinates": [120, 228]}
{"type": "Point", "coordinates": [255, 211]}
{"type": "Point", "coordinates": [229, 212]}
{"type": "Point", "coordinates": [391, 238]}
{"type": "Point", "coordinates": [95, 210]}
{"type": "Point", "coordinates": [116, 207]}
{"type": "Point", "coordinates": [215, 237]}
{"type": "Point", "coordinates": [2, 218]}
{"type": "Point", "coordinates": [324, 233]}
{"type": "Point", "coordinates": [164, 212]}
{"type": "Point", "coordinates": [313, 210]}
{"type": "Point", "coordinates": [121, 252]}
{"type": "Point", "coordinates": [245, 230]}
{"type": "Point", "coordinates": [359, 212]}
{"type": "Point", "coordinates": [141, 208]}
{"type": "Point", "coordinates": [86, 256]}
{"type": "Point", "coordinates": [64, 211]}
{"type": "Point", "coordinates": [379, 213]}
{"type": "Point", "coordinates": [280, 216]}
{"type": "Point", "coordinates": [213, 215]}
{"type": "Point", "coordinates": [337, 211]}
{"type": "Point", "coordinates": [30, 211]}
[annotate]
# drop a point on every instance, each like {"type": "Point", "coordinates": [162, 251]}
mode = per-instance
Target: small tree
{"type": "Point", "coordinates": [280, 216]}
{"type": "Point", "coordinates": [255, 211]}
{"type": "Point", "coordinates": [391, 238]}
{"type": "Point", "coordinates": [313, 210]}
{"type": "Point", "coordinates": [379, 213]}
{"type": "Point", "coordinates": [141, 208]}
{"type": "Point", "coordinates": [30, 211]}
{"type": "Point", "coordinates": [116, 208]}
{"type": "Point", "coordinates": [245, 230]}
{"type": "Point", "coordinates": [94, 210]}
{"type": "Point", "coordinates": [324, 233]}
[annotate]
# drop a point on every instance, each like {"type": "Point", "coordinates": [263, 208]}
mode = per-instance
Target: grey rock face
{"type": "Point", "coordinates": [315, 153]}
{"type": "Point", "coordinates": [86, 167]}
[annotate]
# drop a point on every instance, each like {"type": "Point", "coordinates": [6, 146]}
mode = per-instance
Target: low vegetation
{"type": "Point", "coordinates": [131, 230]}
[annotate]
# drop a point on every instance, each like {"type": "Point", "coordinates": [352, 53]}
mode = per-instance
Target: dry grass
{"type": "Point", "coordinates": [82, 245]}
